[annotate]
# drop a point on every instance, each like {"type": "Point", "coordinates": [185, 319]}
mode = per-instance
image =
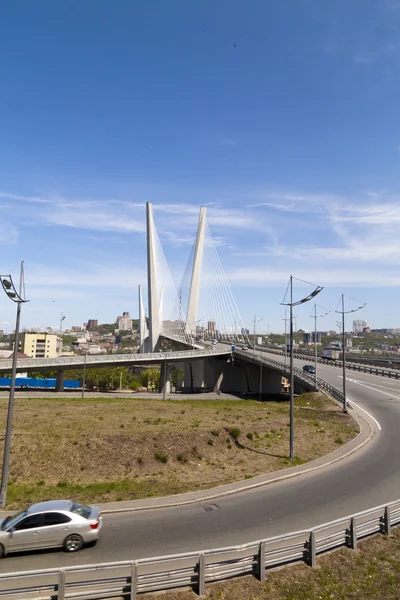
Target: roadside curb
{"type": "Point", "coordinates": [367, 433]}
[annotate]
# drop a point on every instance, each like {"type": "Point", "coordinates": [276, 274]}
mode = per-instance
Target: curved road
{"type": "Point", "coordinates": [370, 477]}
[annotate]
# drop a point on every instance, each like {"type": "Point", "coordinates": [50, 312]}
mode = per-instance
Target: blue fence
{"type": "Point", "coordinates": [31, 382]}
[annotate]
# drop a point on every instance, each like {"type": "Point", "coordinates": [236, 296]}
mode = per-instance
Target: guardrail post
{"type": "Point", "coordinates": [261, 561]}
{"type": "Point", "coordinates": [134, 581]}
{"type": "Point", "coordinates": [312, 556]}
{"type": "Point", "coordinates": [353, 533]}
{"type": "Point", "coordinates": [201, 566]}
{"type": "Point", "coordinates": [61, 585]}
{"type": "Point", "coordinates": [388, 523]}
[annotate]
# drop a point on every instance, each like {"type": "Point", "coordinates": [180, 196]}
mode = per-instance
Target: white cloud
{"type": "Point", "coordinates": [89, 275]}
{"type": "Point", "coordinates": [94, 220]}
{"type": "Point", "coordinates": [332, 277]}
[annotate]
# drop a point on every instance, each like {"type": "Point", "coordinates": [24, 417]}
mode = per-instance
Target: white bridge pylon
{"type": "Point", "coordinates": [209, 299]}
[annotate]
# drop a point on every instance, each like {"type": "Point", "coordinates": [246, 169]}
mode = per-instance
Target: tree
{"type": "Point", "coordinates": [150, 378]}
{"type": "Point", "coordinates": [176, 376]}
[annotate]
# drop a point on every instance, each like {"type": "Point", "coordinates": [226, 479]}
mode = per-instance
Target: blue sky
{"type": "Point", "coordinates": [281, 116]}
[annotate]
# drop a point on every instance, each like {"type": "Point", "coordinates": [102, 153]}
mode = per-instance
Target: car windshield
{"type": "Point", "coordinates": [11, 520]}
{"type": "Point", "coordinates": [81, 509]}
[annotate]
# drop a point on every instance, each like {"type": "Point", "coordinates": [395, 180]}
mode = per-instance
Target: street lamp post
{"type": "Point", "coordinates": [343, 312]}
{"type": "Point", "coordinates": [286, 320]}
{"type": "Point", "coordinates": [193, 336]}
{"type": "Point", "coordinates": [9, 288]}
{"type": "Point", "coordinates": [62, 318]}
{"type": "Point", "coordinates": [315, 317]}
{"type": "Point", "coordinates": [291, 304]}
{"type": "Point", "coordinates": [84, 376]}
{"type": "Point", "coordinates": [255, 320]}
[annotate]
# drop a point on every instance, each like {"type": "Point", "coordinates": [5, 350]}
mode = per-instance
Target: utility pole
{"type": "Point", "coordinates": [315, 316]}
{"type": "Point", "coordinates": [255, 320]}
{"type": "Point", "coordinates": [291, 374]}
{"type": "Point", "coordinates": [84, 376]}
{"type": "Point", "coordinates": [286, 344]}
{"type": "Point", "coordinates": [9, 288]}
{"type": "Point", "coordinates": [343, 312]}
{"type": "Point", "coordinates": [291, 303]}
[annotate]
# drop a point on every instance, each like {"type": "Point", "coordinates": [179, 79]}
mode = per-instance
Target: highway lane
{"type": "Point", "coordinates": [368, 478]}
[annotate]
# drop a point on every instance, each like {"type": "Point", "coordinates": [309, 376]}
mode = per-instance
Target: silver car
{"type": "Point", "coordinates": [54, 524]}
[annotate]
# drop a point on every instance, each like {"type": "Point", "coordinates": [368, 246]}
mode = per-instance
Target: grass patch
{"type": "Point", "coordinates": [90, 459]}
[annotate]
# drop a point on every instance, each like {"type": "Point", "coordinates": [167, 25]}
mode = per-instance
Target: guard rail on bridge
{"type": "Point", "coordinates": [302, 376]}
{"type": "Point", "coordinates": [77, 362]}
{"type": "Point", "coordinates": [129, 578]}
{"type": "Point", "coordinates": [339, 363]}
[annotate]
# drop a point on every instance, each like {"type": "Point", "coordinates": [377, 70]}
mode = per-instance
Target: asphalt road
{"type": "Point", "coordinates": [368, 478]}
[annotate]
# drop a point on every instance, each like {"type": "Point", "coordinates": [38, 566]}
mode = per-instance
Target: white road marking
{"type": "Point", "coordinates": [366, 412]}
{"type": "Point", "coordinates": [370, 387]}
{"type": "Point", "coordinates": [379, 391]}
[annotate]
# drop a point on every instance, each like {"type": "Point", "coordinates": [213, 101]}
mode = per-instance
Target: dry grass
{"type": "Point", "coordinates": [117, 449]}
{"type": "Point", "coordinates": [370, 573]}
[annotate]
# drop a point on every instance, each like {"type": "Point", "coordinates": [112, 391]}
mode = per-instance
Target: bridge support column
{"type": "Point", "coordinates": [198, 374]}
{"type": "Point", "coordinates": [165, 385]}
{"type": "Point", "coordinates": [60, 381]}
{"type": "Point", "coordinates": [194, 376]}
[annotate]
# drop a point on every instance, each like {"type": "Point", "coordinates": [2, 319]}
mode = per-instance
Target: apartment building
{"type": "Point", "coordinates": [38, 345]}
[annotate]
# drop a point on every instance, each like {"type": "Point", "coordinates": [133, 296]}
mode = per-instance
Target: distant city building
{"type": "Point", "coordinates": [245, 331]}
{"type": "Point", "coordinates": [358, 326]}
{"type": "Point", "coordinates": [211, 326]}
{"type": "Point", "coordinates": [38, 345]}
{"type": "Point", "coordinates": [309, 338]}
{"type": "Point", "coordinates": [77, 328]}
{"type": "Point", "coordinates": [367, 330]}
{"type": "Point", "coordinates": [92, 323]}
{"type": "Point", "coordinates": [124, 323]}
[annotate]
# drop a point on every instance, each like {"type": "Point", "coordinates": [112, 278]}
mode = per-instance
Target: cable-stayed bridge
{"type": "Point", "coordinates": [190, 326]}
{"type": "Point", "coordinates": [201, 308]}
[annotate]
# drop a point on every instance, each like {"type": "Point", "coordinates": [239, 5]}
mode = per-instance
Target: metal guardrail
{"type": "Point", "coordinates": [338, 363]}
{"type": "Point", "coordinates": [284, 369]}
{"type": "Point", "coordinates": [129, 578]}
{"type": "Point", "coordinates": [304, 376]}
{"type": "Point", "coordinates": [109, 359]}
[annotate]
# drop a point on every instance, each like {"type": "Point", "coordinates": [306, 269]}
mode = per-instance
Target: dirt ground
{"type": "Point", "coordinates": [369, 573]}
{"type": "Point", "coordinates": [124, 448]}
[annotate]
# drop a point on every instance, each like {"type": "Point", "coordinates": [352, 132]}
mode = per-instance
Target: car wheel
{"type": "Point", "coordinates": [73, 543]}
{"type": "Point", "coordinates": [2, 552]}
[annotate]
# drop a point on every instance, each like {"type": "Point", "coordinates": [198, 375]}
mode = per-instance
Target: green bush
{"type": "Point", "coordinates": [210, 442]}
{"type": "Point", "coordinates": [249, 436]}
{"type": "Point", "coordinates": [235, 432]}
{"type": "Point", "coordinates": [161, 456]}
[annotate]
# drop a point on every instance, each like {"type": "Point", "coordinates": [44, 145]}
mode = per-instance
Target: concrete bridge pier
{"type": "Point", "coordinates": [194, 375]}
{"type": "Point", "coordinates": [165, 385]}
{"type": "Point", "coordinates": [60, 381]}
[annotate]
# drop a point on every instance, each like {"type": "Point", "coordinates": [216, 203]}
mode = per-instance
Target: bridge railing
{"type": "Point", "coordinates": [74, 361]}
{"type": "Point", "coordinates": [304, 376]}
{"type": "Point", "coordinates": [196, 569]}
{"type": "Point", "coordinates": [362, 368]}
